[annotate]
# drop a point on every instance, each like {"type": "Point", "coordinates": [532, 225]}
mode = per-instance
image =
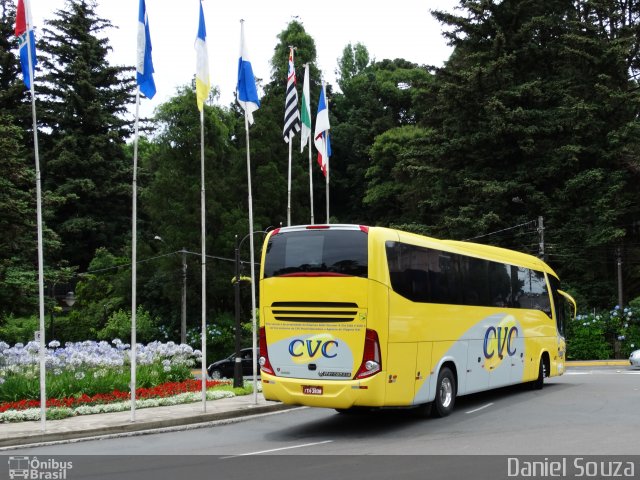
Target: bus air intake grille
{"type": "Point", "coordinates": [314, 311]}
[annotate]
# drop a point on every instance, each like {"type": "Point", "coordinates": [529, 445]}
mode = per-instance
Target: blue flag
{"type": "Point", "coordinates": [246, 89]}
{"type": "Point", "coordinates": [24, 28]}
{"type": "Point", "coordinates": [144, 66]}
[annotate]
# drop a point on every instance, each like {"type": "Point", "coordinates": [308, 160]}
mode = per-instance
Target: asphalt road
{"type": "Point", "coordinates": [585, 412]}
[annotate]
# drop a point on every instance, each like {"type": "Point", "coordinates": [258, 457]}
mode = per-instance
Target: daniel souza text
{"type": "Point", "coordinates": [572, 467]}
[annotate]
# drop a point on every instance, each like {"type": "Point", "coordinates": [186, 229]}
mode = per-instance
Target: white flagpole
{"type": "Point", "coordinates": [41, 347]}
{"type": "Point", "coordinates": [289, 185]}
{"type": "Point", "coordinates": [203, 372]}
{"type": "Point", "coordinates": [327, 141]}
{"type": "Point", "coordinates": [311, 178]}
{"type": "Point", "coordinates": [253, 267]}
{"type": "Point", "coordinates": [134, 261]}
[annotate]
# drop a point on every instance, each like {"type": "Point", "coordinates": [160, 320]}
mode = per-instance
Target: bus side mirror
{"type": "Point", "coordinates": [571, 300]}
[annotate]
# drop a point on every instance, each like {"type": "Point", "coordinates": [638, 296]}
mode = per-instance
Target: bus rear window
{"type": "Point", "coordinates": [317, 253]}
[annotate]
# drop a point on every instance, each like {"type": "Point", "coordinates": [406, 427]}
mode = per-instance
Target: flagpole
{"type": "Point", "coordinates": [327, 181]}
{"type": "Point", "coordinates": [311, 179]}
{"type": "Point", "coordinates": [253, 267]}
{"type": "Point", "coordinates": [203, 372]}
{"type": "Point", "coordinates": [41, 346]}
{"type": "Point", "coordinates": [134, 260]}
{"type": "Point", "coordinates": [289, 185]}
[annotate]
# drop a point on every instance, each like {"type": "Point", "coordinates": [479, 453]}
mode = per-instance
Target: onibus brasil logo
{"type": "Point", "coordinates": [33, 468]}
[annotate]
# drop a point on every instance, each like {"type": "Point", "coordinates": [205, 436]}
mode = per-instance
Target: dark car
{"type": "Point", "coordinates": [225, 368]}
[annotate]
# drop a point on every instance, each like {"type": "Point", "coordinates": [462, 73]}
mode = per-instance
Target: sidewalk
{"type": "Point", "coordinates": [26, 433]}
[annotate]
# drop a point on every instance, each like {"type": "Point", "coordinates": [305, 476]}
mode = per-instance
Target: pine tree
{"type": "Point", "coordinates": [536, 104]}
{"type": "Point", "coordinates": [14, 99]}
{"type": "Point", "coordinates": [85, 170]}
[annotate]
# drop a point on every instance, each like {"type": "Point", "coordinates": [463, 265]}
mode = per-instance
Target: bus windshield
{"type": "Point", "coordinates": [317, 253]}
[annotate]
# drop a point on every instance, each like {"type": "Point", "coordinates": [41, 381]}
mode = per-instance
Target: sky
{"type": "Point", "coordinates": [388, 30]}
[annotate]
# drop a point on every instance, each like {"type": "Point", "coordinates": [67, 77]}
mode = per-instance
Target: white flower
{"type": "Point", "coordinates": [54, 344]}
{"type": "Point", "coordinates": [79, 375]}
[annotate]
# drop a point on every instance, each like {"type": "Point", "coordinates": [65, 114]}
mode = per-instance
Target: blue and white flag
{"type": "Point", "coordinates": [247, 94]}
{"type": "Point", "coordinates": [23, 28]}
{"type": "Point", "coordinates": [144, 65]}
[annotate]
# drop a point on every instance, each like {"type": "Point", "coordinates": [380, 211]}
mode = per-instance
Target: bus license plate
{"type": "Point", "coordinates": [311, 390]}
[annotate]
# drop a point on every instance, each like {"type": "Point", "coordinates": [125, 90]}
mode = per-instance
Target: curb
{"type": "Point", "coordinates": [598, 363]}
{"type": "Point", "coordinates": [19, 441]}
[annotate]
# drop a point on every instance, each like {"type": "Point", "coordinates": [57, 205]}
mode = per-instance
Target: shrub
{"type": "Point", "coordinates": [604, 335]}
{"type": "Point", "coordinates": [119, 326]}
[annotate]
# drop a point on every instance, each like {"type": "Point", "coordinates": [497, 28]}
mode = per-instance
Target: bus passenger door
{"type": "Point", "coordinates": [423, 369]}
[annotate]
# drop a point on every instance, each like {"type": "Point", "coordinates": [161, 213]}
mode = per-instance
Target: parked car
{"type": "Point", "coordinates": [225, 368]}
{"type": "Point", "coordinates": [634, 358]}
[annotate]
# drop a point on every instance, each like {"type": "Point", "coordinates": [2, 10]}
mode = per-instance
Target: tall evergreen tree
{"type": "Point", "coordinates": [85, 169]}
{"type": "Point", "coordinates": [536, 104]}
{"type": "Point", "coordinates": [17, 223]}
{"type": "Point", "coordinates": [14, 100]}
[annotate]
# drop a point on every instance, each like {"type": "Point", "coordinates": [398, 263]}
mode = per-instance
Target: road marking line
{"type": "Point", "coordinates": [276, 449]}
{"type": "Point", "coordinates": [481, 408]}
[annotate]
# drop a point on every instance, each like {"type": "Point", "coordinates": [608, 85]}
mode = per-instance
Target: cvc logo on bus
{"type": "Point", "coordinates": [499, 339]}
{"type": "Point", "coordinates": [306, 350]}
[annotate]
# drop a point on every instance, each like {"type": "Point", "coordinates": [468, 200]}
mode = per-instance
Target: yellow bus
{"type": "Point", "coordinates": [354, 316]}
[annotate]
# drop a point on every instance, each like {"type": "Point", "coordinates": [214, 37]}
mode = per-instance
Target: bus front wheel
{"type": "Point", "coordinates": [445, 393]}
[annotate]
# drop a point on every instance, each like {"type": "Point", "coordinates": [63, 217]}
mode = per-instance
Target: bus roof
{"type": "Point", "coordinates": [479, 250]}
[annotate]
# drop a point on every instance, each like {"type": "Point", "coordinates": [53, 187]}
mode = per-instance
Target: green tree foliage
{"type": "Point", "coordinates": [381, 97]}
{"type": "Point", "coordinates": [269, 152]}
{"type": "Point", "coordinates": [13, 93]}
{"type": "Point", "coordinates": [354, 59]}
{"type": "Point", "coordinates": [17, 224]}
{"type": "Point", "coordinates": [170, 203]}
{"type": "Point", "coordinates": [86, 171]}
{"type": "Point", "coordinates": [103, 291]}
{"type": "Point", "coordinates": [536, 104]}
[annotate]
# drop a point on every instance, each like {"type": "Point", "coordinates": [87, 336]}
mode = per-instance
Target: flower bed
{"type": "Point", "coordinates": [29, 413]}
{"type": "Point", "coordinates": [160, 391]}
{"type": "Point", "coordinates": [93, 377]}
{"type": "Point", "coordinates": [90, 368]}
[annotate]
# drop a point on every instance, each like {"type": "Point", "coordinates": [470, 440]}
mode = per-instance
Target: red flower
{"type": "Point", "coordinates": [159, 391]}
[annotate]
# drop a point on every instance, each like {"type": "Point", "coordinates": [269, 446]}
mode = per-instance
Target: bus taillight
{"type": "Point", "coordinates": [265, 364]}
{"type": "Point", "coordinates": [371, 359]}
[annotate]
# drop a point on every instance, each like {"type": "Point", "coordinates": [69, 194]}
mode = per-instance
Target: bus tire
{"type": "Point", "coordinates": [445, 393]}
{"type": "Point", "coordinates": [538, 383]}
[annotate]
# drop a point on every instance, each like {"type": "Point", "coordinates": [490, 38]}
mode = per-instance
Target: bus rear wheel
{"type": "Point", "coordinates": [445, 393]}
